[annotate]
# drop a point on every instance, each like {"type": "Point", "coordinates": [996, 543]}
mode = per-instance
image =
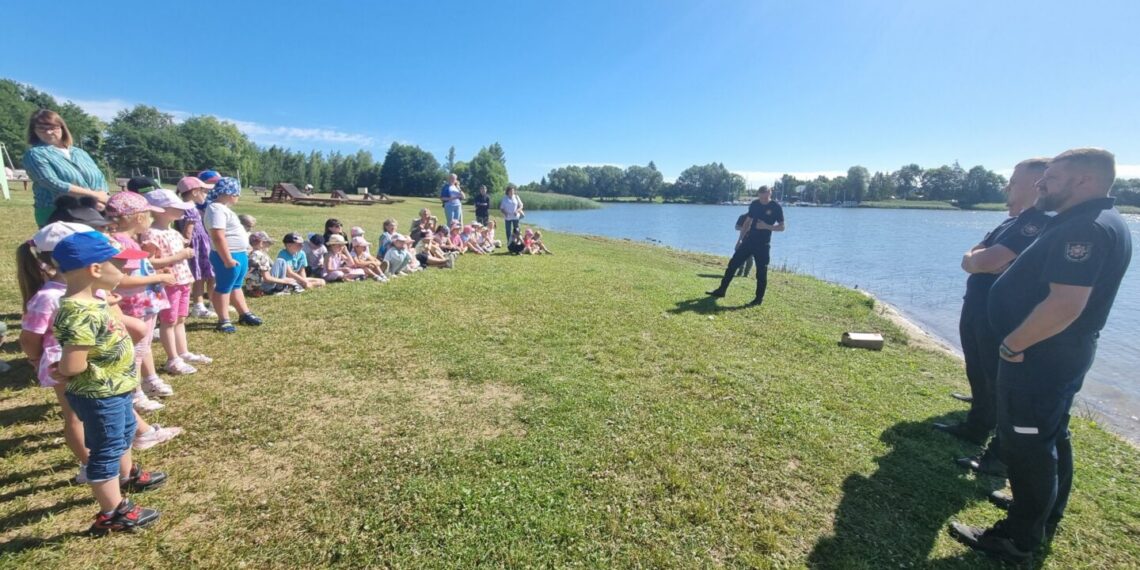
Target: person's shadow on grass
{"type": "Point", "coordinates": [892, 518]}
{"type": "Point", "coordinates": [704, 305]}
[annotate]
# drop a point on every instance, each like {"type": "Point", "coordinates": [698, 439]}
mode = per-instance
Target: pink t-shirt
{"type": "Point", "coordinates": [169, 242]}
{"type": "Point", "coordinates": [38, 318]}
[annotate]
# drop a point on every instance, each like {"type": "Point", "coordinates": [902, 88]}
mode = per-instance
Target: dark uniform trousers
{"type": "Point", "coordinates": [759, 252]}
{"type": "Point", "coordinates": [1033, 402]}
{"type": "Point", "coordinates": [980, 349]}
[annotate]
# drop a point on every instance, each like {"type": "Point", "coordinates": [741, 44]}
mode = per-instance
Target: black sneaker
{"type": "Point", "coordinates": [755, 303]}
{"type": "Point", "coordinates": [225, 327]}
{"type": "Point", "coordinates": [984, 464]}
{"type": "Point", "coordinates": [141, 481]}
{"type": "Point", "coordinates": [250, 319]}
{"type": "Point", "coordinates": [128, 517]}
{"type": "Point", "coordinates": [991, 541]}
{"type": "Point", "coordinates": [962, 397]}
{"type": "Point", "coordinates": [715, 293]}
{"type": "Point", "coordinates": [962, 432]}
{"type": "Point", "coordinates": [1001, 500]}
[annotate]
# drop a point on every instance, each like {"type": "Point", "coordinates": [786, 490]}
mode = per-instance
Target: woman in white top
{"type": "Point", "coordinates": [512, 208]}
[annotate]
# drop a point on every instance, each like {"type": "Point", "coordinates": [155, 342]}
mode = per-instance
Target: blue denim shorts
{"type": "Point", "coordinates": [108, 430]}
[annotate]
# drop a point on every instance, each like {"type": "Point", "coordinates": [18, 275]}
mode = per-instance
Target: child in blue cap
{"type": "Point", "coordinates": [98, 367]}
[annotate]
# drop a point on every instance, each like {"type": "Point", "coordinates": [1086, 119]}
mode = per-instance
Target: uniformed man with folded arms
{"type": "Point", "coordinates": [1048, 309]}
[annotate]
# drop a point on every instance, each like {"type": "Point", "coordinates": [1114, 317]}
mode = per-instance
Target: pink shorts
{"type": "Point", "coordinates": [179, 298]}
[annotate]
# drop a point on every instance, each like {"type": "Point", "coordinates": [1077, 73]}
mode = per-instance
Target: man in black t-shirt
{"type": "Point", "coordinates": [1048, 309]}
{"type": "Point", "coordinates": [764, 217]}
{"type": "Point", "coordinates": [985, 262]}
{"type": "Point", "coordinates": [482, 206]}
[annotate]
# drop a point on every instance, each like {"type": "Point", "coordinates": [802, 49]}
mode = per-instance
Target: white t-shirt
{"type": "Point", "coordinates": [220, 217]}
{"type": "Point", "coordinates": [510, 207]}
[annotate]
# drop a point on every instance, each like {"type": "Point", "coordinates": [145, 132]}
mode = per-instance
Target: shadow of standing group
{"type": "Point", "coordinates": [892, 518]}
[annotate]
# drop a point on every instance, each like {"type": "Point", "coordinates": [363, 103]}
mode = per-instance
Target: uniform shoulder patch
{"type": "Point", "coordinates": [1030, 230]}
{"type": "Point", "coordinates": [1078, 251]}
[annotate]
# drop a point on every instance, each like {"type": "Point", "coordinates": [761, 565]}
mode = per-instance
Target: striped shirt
{"type": "Point", "coordinates": [52, 173]}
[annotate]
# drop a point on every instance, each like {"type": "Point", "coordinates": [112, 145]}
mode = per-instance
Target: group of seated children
{"type": "Point", "coordinates": [529, 243]}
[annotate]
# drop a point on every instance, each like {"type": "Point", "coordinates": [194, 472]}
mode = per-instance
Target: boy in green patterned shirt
{"type": "Point", "coordinates": [98, 367]}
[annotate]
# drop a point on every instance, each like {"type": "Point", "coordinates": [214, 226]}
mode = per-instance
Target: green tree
{"type": "Point", "coordinates": [858, 179]}
{"type": "Point", "coordinates": [571, 180]}
{"type": "Point", "coordinates": [981, 185]}
{"type": "Point", "coordinates": [907, 179]}
{"type": "Point", "coordinates": [486, 169]}
{"type": "Point", "coordinates": [409, 170]}
{"type": "Point", "coordinates": [881, 187]}
{"type": "Point", "coordinates": [709, 184]}
{"type": "Point", "coordinates": [643, 182]}
{"type": "Point", "coordinates": [144, 137]}
{"type": "Point", "coordinates": [943, 183]}
{"type": "Point", "coordinates": [450, 160]}
{"type": "Point", "coordinates": [210, 143]}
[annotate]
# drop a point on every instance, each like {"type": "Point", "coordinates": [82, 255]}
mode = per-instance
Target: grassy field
{"type": "Point", "coordinates": [587, 409]}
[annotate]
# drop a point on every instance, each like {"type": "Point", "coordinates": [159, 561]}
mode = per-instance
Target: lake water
{"type": "Point", "coordinates": [908, 258]}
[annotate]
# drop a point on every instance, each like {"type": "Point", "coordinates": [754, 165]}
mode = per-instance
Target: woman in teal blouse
{"type": "Point", "coordinates": [57, 168]}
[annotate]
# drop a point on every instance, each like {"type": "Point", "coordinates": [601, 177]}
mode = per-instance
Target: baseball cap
{"type": "Point", "coordinates": [87, 216]}
{"type": "Point", "coordinates": [292, 237]}
{"type": "Point", "coordinates": [127, 203]}
{"type": "Point", "coordinates": [163, 199]}
{"type": "Point", "coordinates": [142, 184]}
{"type": "Point", "coordinates": [188, 183]}
{"type": "Point", "coordinates": [50, 235]}
{"type": "Point", "coordinates": [317, 239]}
{"type": "Point", "coordinates": [209, 177]}
{"type": "Point", "coordinates": [86, 248]}
{"type": "Point", "coordinates": [259, 237]}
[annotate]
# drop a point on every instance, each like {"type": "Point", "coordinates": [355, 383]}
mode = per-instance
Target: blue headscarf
{"type": "Point", "coordinates": [224, 187]}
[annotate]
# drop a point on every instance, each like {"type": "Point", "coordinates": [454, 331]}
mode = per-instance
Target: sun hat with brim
{"type": "Point", "coordinates": [50, 235]}
{"type": "Point", "coordinates": [259, 237]}
{"type": "Point", "coordinates": [191, 183]}
{"type": "Point", "coordinates": [359, 241]}
{"type": "Point", "coordinates": [401, 237]}
{"type": "Point", "coordinates": [166, 199]}
{"type": "Point", "coordinates": [336, 239]}
{"type": "Point", "coordinates": [356, 231]}
{"type": "Point", "coordinates": [127, 203]}
{"type": "Point", "coordinates": [83, 249]}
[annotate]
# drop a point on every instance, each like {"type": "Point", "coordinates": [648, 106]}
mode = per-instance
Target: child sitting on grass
{"type": "Point", "coordinates": [399, 258]}
{"type": "Point", "coordinates": [428, 254]}
{"type": "Point", "coordinates": [295, 261]}
{"type": "Point", "coordinates": [338, 264]}
{"type": "Point", "coordinates": [363, 259]}
{"type": "Point", "coordinates": [315, 252]}
{"type": "Point", "coordinates": [386, 237]}
{"type": "Point", "coordinates": [98, 366]}
{"type": "Point", "coordinates": [262, 278]}
{"type": "Point", "coordinates": [516, 245]}
{"type": "Point", "coordinates": [470, 242]}
{"type": "Point", "coordinates": [537, 246]}
{"type": "Point", "coordinates": [248, 222]}
{"type": "Point", "coordinates": [168, 251]}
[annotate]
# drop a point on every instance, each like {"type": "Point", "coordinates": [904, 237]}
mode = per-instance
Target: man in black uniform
{"type": "Point", "coordinates": [1048, 308]}
{"type": "Point", "coordinates": [985, 262]}
{"type": "Point", "coordinates": [764, 217]}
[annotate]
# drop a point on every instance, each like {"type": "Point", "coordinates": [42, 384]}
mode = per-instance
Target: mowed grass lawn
{"type": "Point", "coordinates": [587, 409]}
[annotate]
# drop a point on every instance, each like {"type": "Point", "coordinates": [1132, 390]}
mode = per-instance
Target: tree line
{"type": "Point", "coordinates": [143, 137]}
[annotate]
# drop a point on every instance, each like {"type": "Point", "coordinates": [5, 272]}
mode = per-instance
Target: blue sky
{"type": "Point", "coordinates": [762, 86]}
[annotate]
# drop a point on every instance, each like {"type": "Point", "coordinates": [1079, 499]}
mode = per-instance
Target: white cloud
{"type": "Point", "coordinates": [258, 132]}
{"type": "Point", "coordinates": [107, 109]}
{"type": "Point", "coordinates": [760, 177]}
{"type": "Point", "coordinates": [1128, 170]}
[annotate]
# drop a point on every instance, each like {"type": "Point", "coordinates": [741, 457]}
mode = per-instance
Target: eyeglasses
{"type": "Point", "coordinates": [48, 128]}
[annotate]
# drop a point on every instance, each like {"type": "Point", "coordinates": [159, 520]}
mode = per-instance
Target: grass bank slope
{"type": "Point", "coordinates": [587, 409]}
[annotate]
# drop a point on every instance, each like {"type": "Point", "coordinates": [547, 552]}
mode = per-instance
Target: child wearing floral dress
{"type": "Point", "coordinates": [142, 290]}
{"type": "Point", "coordinates": [169, 253]}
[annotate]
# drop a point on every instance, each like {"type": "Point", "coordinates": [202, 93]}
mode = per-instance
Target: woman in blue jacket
{"type": "Point", "coordinates": [56, 167]}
